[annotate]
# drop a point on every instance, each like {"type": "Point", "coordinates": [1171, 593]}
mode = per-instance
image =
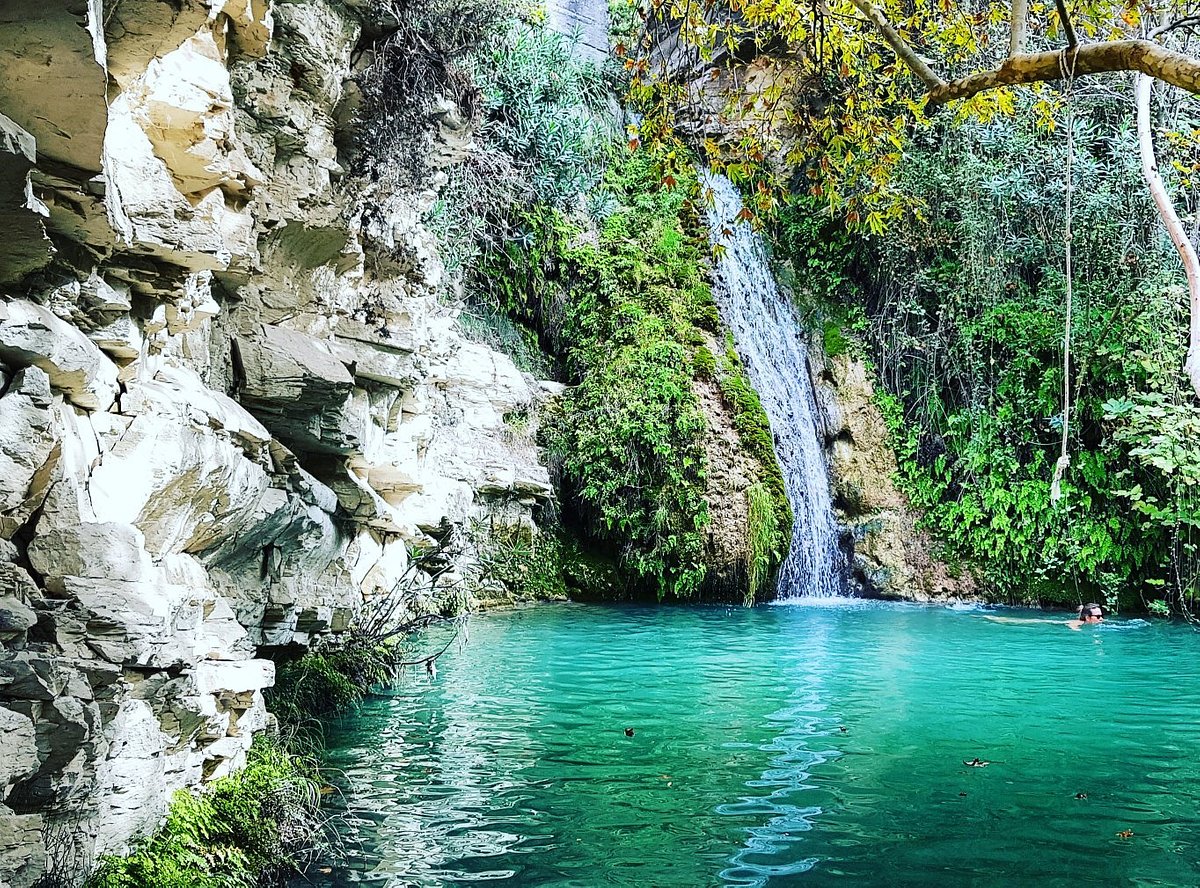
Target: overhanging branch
{"type": "Point", "coordinates": [1094, 58]}
{"type": "Point", "coordinates": [899, 45]}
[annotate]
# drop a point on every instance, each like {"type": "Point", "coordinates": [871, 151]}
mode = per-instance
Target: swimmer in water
{"type": "Point", "coordinates": [1089, 615]}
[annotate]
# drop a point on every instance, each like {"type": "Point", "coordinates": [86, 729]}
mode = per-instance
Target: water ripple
{"type": "Point", "coordinates": [803, 744]}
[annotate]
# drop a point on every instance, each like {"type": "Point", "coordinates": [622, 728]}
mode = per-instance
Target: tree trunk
{"type": "Point", "coordinates": [1166, 211]}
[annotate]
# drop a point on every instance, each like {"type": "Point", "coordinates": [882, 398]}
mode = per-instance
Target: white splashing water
{"type": "Point", "coordinates": [768, 337]}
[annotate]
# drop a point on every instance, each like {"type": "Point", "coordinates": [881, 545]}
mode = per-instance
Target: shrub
{"type": "Point", "coordinates": [321, 683]}
{"type": "Point", "coordinates": [262, 821]}
{"type": "Point", "coordinates": [528, 567]}
{"type": "Point", "coordinates": [416, 51]}
{"type": "Point", "coordinates": [544, 134]}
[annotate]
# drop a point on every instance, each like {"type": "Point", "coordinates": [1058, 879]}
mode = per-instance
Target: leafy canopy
{"type": "Point", "coordinates": [817, 88]}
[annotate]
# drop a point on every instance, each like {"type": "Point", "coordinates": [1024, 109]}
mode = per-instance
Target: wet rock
{"type": "Point", "coordinates": [892, 557]}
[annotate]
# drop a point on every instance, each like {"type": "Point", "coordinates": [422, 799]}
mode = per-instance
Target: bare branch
{"type": "Point", "coordinates": [1064, 18]}
{"type": "Point", "coordinates": [1093, 58]}
{"type": "Point", "coordinates": [1018, 27]}
{"type": "Point", "coordinates": [1170, 219]}
{"type": "Point", "coordinates": [899, 45]}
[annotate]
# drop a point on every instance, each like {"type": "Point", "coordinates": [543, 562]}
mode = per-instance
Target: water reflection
{"type": "Point", "coordinates": [515, 766]}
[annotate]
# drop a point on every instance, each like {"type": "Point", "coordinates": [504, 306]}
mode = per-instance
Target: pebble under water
{"type": "Point", "coordinates": [814, 743]}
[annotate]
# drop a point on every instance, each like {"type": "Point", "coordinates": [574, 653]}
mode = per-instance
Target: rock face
{"type": "Point", "coordinates": [230, 397]}
{"type": "Point", "coordinates": [891, 556]}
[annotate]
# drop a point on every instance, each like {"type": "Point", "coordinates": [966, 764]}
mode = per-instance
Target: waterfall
{"type": "Point", "coordinates": [771, 343]}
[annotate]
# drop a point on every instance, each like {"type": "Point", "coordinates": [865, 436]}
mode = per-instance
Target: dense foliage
{"type": "Point", "coordinates": [829, 94]}
{"type": "Point", "coordinates": [544, 131]}
{"type": "Point", "coordinates": [628, 435]}
{"type": "Point", "coordinates": [328, 681]}
{"type": "Point", "coordinates": [964, 319]}
{"type": "Point", "coordinates": [260, 822]}
{"type": "Point", "coordinates": [627, 311]}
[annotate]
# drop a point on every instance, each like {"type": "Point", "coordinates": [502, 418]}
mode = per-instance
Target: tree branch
{"type": "Point", "coordinates": [899, 45]}
{"type": "Point", "coordinates": [1064, 18]}
{"type": "Point", "coordinates": [1166, 212]}
{"type": "Point", "coordinates": [1018, 27]}
{"type": "Point", "coordinates": [1093, 58]}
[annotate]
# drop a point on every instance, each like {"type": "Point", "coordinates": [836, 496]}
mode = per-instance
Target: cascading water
{"type": "Point", "coordinates": [770, 341]}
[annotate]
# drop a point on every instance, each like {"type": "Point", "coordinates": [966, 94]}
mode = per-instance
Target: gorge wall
{"type": "Point", "coordinates": [230, 397]}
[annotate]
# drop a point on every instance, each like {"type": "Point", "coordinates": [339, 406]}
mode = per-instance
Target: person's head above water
{"type": "Point", "coordinates": [1091, 613]}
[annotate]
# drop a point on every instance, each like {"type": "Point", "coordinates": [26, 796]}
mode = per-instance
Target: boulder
{"type": "Point", "coordinates": [188, 469]}
{"type": "Point", "coordinates": [15, 616]}
{"type": "Point", "coordinates": [31, 335]}
{"type": "Point", "coordinates": [184, 103]}
{"type": "Point", "coordinates": [300, 391]}
{"type": "Point", "coordinates": [28, 438]}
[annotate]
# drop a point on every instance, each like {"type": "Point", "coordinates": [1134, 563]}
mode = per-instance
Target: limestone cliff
{"type": "Point", "coordinates": [229, 395]}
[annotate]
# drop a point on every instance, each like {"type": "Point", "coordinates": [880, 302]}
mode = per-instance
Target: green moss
{"type": "Point", "coordinates": [628, 312]}
{"type": "Point", "coordinates": [550, 567]}
{"type": "Point", "coordinates": [754, 430]}
{"type": "Point", "coordinates": [620, 311]}
{"type": "Point", "coordinates": [528, 567]}
{"type": "Point", "coordinates": [256, 823]}
{"type": "Point", "coordinates": [764, 535]}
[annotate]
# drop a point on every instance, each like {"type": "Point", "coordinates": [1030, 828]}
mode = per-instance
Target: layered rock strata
{"type": "Point", "coordinates": [230, 398]}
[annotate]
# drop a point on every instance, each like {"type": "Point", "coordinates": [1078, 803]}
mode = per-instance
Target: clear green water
{"type": "Point", "coordinates": [513, 765]}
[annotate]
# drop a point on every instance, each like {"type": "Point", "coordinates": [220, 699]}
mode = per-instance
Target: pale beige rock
{"type": "Point", "coordinates": [21, 214]}
{"type": "Point", "coordinates": [301, 391]}
{"type": "Point", "coordinates": [184, 103]}
{"type": "Point", "coordinates": [110, 551]}
{"type": "Point", "coordinates": [120, 339]}
{"type": "Point", "coordinates": [62, 104]}
{"type": "Point", "coordinates": [18, 751]}
{"type": "Point", "coordinates": [22, 857]}
{"type": "Point", "coordinates": [184, 484]}
{"type": "Point", "coordinates": [148, 210]}
{"type": "Point", "coordinates": [27, 444]}
{"type": "Point", "coordinates": [214, 676]}
{"type": "Point", "coordinates": [30, 335]}
{"type": "Point", "coordinates": [135, 783]}
{"type": "Point", "coordinates": [893, 557]}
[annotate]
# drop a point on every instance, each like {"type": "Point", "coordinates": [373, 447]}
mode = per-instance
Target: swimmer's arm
{"type": "Point", "coordinates": [1071, 624]}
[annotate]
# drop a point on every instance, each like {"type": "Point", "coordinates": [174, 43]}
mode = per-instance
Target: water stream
{"type": "Point", "coordinates": [768, 337]}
